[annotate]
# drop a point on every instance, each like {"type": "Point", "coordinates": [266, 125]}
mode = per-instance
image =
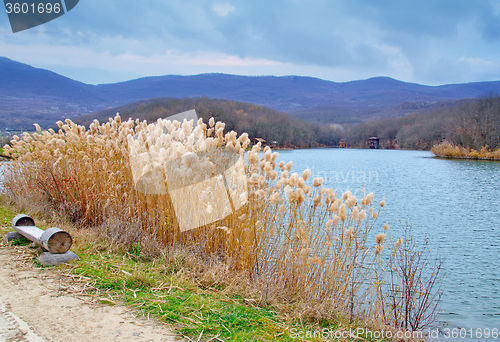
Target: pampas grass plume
{"type": "Point", "coordinates": [378, 249]}
{"type": "Point", "coordinates": [306, 174]}
{"type": "Point", "coordinates": [380, 238]}
{"type": "Point", "coordinates": [342, 213]}
{"type": "Point", "coordinates": [317, 181]}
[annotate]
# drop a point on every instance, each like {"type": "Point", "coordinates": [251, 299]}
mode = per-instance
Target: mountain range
{"type": "Point", "coordinates": [29, 95]}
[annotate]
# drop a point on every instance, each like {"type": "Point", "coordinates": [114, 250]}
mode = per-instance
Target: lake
{"type": "Point", "coordinates": [456, 203]}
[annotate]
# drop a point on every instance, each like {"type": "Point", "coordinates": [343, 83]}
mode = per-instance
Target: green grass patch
{"type": "Point", "coordinates": [21, 242]}
{"type": "Point", "coordinates": [157, 291]}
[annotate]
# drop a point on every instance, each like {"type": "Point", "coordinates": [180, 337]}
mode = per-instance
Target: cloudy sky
{"type": "Point", "coordinates": [425, 41]}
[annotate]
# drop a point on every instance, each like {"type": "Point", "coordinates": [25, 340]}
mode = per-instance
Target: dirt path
{"type": "Point", "coordinates": [42, 305]}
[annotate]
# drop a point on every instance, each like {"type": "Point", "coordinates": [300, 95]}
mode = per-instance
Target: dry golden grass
{"type": "Point", "coordinates": [292, 239]}
{"type": "Point", "coordinates": [447, 150]}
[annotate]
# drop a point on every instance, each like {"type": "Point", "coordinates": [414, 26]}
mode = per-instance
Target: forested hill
{"type": "Point", "coordinates": [472, 123]}
{"type": "Point", "coordinates": [257, 121]}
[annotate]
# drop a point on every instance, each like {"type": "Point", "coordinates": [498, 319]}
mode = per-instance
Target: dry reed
{"type": "Point", "coordinates": [295, 240]}
{"type": "Point", "coordinates": [448, 150]}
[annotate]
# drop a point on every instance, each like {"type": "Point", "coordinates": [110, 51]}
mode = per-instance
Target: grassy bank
{"type": "Point", "coordinates": [175, 291]}
{"type": "Point", "coordinates": [447, 150]}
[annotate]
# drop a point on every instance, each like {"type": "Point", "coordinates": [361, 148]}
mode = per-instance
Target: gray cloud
{"type": "Point", "coordinates": [428, 41]}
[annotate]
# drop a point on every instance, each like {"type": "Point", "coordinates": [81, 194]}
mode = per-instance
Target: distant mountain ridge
{"type": "Point", "coordinates": [29, 94]}
{"type": "Point", "coordinates": [293, 93]}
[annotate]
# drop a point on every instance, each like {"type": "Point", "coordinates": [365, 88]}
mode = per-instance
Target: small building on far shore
{"type": "Point", "coordinates": [255, 141]}
{"type": "Point", "coordinates": [373, 142]}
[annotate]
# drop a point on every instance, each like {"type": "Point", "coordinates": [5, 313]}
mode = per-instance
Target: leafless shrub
{"type": "Point", "coordinates": [415, 285]}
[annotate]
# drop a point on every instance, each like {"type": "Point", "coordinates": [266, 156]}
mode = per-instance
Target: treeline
{"type": "Point", "coordinates": [477, 124]}
{"type": "Point", "coordinates": [415, 131]}
{"type": "Point", "coordinates": [257, 121]}
{"type": "Point", "coordinates": [472, 123]}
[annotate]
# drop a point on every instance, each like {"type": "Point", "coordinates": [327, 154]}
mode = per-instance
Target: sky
{"type": "Point", "coordinates": [430, 42]}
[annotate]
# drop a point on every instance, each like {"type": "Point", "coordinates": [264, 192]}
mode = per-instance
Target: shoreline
{"type": "Point", "coordinates": [466, 158]}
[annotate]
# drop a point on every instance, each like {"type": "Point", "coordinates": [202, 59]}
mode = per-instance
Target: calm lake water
{"type": "Point", "coordinates": [456, 203]}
